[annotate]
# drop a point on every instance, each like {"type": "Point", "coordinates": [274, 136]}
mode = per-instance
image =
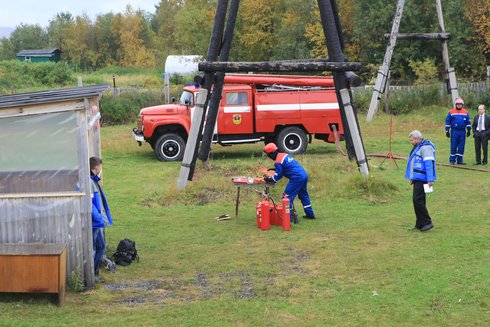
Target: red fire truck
{"type": "Point", "coordinates": [285, 109]}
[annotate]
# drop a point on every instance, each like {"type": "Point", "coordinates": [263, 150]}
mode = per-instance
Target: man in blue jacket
{"type": "Point", "coordinates": [101, 214]}
{"type": "Point", "coordinates": [421, 169]}
{"type": "Point", "coordinates": [298, 178]}
{"type": "Point", "coordinates": [457, 120]}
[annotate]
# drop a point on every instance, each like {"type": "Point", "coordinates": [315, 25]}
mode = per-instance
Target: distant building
{"type": "Point", "coordinates": [39, 55]}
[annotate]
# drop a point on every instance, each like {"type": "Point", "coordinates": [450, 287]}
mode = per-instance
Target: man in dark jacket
{"type": "Point", "coordinates": [101, 214]}
{"type": "Point", "coordinates": [285, 165]}
{"type": "Point", "coordinates": [481, 132]}
{"type": "Point", "coordinates": [421, 172]}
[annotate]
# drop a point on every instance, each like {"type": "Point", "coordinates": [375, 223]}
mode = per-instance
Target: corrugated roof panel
{"type": "Point", "coordinates": [60, 95]}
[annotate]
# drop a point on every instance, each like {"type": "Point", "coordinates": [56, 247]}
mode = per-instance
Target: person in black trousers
{"type": "Point", "coordinates": [481, 132]}
{"type": "Point", "coordinates": [421, 172]}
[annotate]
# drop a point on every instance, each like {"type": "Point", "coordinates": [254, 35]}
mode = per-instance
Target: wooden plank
{"type": "Point", "coordinates": [31, 248]}
{"type": "Point", "coordinates": [83, 234]}
{"type": "Point", "coordinates": [41, 109]}
{"type": "Point", "coordinates": [281, 66]}
{"type": "Point", "coordinates": [421, 36]}
{"type": "Point", "coordinates": [41, 195]}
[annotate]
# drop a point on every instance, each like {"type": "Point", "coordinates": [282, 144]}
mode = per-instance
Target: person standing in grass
{"type": "Point", "coordinates": [421, 169]}
{"type": "Point", "coordinates": [481, 132]}
{"type": "Point", "coordinates": [101, 214]}
{"type": "Point", "coordinates": [457, 120]}
{"type": "Point", "coordinates": [285, 165]}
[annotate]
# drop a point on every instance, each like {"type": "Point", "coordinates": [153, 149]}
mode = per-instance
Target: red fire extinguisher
{"type": "Point", "coordinates": [258, 209]}
{"type": "Point", "coordinates": [286, 220]}
{"type": "Point", "coordinates": [265, 223]}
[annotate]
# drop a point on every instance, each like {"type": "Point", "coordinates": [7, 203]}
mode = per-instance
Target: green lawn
{"type": "Point", "coordinates": [356, 265]}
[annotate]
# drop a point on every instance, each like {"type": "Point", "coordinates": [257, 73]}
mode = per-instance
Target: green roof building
{"type": "Point", "coordinates": [39, 55]}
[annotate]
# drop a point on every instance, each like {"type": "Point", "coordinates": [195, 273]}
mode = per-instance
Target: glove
{"type": "Point", "coordinates": [268, 179]}
{"type": "Point", "coordinates": [447, 134]}
{"type": "Point", "coordinates": [468, 133]}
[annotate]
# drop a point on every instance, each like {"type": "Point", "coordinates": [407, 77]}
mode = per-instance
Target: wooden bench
{"type": "Point", "coordinates": [33, 268]}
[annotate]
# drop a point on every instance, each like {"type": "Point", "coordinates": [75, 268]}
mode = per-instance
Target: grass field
{"type": "Point", "coordinates": [356, 265]}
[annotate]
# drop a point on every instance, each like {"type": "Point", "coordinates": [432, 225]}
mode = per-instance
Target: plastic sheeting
{"type": "Point", "coordinates": [39, 153]}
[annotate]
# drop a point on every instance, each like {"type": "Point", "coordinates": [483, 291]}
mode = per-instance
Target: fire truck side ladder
{"type": "Point", "coordinates": [381, 80]}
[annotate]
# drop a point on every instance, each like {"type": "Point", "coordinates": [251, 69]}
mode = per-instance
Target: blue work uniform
{"type": "Point", "coordinates": [458, 121]}
{"type": "Point", "coordinates": [298, 181]}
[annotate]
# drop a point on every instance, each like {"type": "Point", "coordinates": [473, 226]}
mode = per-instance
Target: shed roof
{"type": "Point", "coordinates": [37, 52]}
{"type": "Point", "coordinates": [25, 99]}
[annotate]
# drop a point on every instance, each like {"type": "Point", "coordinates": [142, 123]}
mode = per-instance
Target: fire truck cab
{"type": "Point", "coordinates": [285, 109]}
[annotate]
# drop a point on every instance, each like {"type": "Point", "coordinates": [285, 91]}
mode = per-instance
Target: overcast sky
{"type": "Point", "coordinates": [13, 13]}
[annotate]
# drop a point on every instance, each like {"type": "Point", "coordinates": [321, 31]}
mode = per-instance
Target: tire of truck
{"type": "Point", "coordinates": [169, 147]}
{"type": "Point", "coordinates": [292, 140]}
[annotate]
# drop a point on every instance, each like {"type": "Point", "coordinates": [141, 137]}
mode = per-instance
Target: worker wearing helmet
{"type": "Point", "coordinates": [457, 121]}
{"type": "Point", "coordinates": [298, 178]}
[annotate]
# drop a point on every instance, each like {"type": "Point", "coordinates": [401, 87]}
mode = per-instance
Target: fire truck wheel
{"type": "Point", "coordinates": [169, 147]}
{"type": "Point", "coordinates": [292, 140]}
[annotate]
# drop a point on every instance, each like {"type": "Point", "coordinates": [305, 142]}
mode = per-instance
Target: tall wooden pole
{"type": "Point", "coordinates": [449, 71]}
{"type": "Point", "coordinates": [195, 133]}
{"type": "Point", "coordinates": [212, 116]}
{"type": "Point", "coordinates": [379, 86]}
{"type": "Point", "coordinates": [332, 31]}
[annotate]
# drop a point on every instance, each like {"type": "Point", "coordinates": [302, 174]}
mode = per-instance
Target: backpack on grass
{"type": "Point", "coordinates": [126, 252]}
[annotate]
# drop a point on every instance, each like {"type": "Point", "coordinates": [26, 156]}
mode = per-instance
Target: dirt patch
{"type": "Point", "coordinates": [144, 286]}
{"type": "Point", "coordinates": [133, 300]}
{"type": "Point", "coordinates": [240, 285]}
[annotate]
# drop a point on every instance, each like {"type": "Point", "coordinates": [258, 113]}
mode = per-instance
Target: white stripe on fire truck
{"type": "Point", "coordinates": [319, 106]}
{"type": "Point", "coordinates": [297, 106]}
{"type": "Point", "coordinates": [236, 109]}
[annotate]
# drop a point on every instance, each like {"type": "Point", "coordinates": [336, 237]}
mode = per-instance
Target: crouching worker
{"type": "Point", "coordinates": [298, 178]}
{"type": "Point", "coordinates": [101, 215]}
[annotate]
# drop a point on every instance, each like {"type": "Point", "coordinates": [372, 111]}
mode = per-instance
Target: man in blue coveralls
{"type": "Point", "coordinates": [457, 120]}
{"type": "Point", "coordinates": [298, 178]}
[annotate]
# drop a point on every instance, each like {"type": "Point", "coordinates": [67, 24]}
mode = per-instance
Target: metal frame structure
{"type": "Point", "coordinates": [381, 80]}
{"type": "Point", "coordinates": [216, 65]}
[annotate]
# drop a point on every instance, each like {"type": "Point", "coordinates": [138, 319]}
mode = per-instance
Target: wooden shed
{"type": "Point", "coordinates": [46, 141]}
{"type": "Point", "coordinates": [39, 55]}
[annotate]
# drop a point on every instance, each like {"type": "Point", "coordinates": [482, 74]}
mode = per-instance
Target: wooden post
{"type": "Point", "coordinates": [218, 86]}
{"type": "Point", "coordinates": [195, 134]}
{"type": "Point", "coordinates": [280, 65]}
{"type": "Point", "coordinates": [333, 36]}
{"type": "Point", "coordinates": [421, 36]}
{"type": "Point", "coordinates": [383, 71]}
{"type": "Point", "coordinates": [449, 71]}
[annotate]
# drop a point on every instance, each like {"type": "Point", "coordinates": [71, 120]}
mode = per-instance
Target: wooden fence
{"type": "Point", "coordinates": [478, 89]}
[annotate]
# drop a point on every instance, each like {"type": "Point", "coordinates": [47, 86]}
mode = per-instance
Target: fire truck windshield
{"type": "Point", "coordinates": [187, 98]}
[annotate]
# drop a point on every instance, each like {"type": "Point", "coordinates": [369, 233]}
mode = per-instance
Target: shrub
{"type": "Point", "coordinates": [124, 109]}
{"type": "Point", "coordinates": [19, 75]}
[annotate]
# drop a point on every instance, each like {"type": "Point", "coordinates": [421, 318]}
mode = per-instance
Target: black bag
{"type": "Point", "coordinates": [126, 253]}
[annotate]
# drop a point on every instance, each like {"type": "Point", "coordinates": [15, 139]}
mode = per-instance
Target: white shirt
{"type": "Point", "coordinates": [481, 123]}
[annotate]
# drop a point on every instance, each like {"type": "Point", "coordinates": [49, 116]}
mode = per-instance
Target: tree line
{"type": "Point", "coordinates": [268, 30]}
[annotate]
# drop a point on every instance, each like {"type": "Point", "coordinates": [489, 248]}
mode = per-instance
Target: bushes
{"type": "Point", "coordinates": [404, 100]}
{"type": "Point", "coordinates": [15, 74]}
{"type": "Point", "coordinates": [124, 109]}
